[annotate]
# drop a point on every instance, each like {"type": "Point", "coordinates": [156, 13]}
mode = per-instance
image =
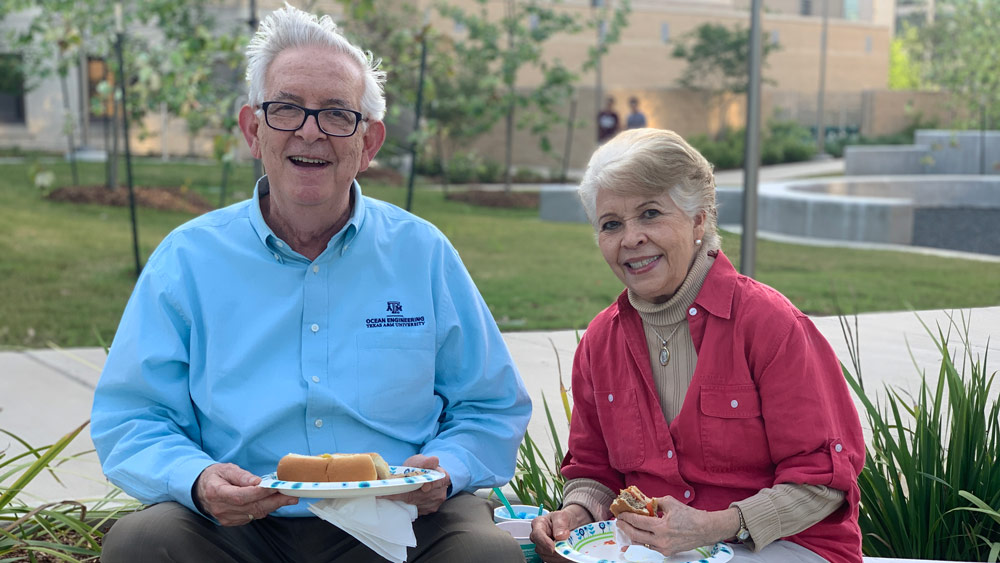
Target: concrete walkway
{"type": "Point", "coordinates": [47, 393]}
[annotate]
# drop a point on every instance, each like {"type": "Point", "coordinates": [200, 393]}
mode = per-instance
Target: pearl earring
{"type": "Point", "coordinates": [697, 242]}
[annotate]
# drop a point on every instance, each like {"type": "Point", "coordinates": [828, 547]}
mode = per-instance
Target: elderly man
{"type": "Point", "coordinates": [308, 319]}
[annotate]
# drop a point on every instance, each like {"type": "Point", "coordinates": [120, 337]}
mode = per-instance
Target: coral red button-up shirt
{"type": "Point", "coordinates": [767, 404]}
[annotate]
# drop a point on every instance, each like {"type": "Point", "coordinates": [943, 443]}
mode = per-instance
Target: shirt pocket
{"type": "Point", "coordinates": [395, 375]}
{"type": "Point", "coordinates": [732, 429]}
{"type": "Point", "coordinates": [621, 421]}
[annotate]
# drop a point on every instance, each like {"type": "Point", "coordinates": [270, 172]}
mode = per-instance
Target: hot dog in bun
{"type": "Point", "coordinates": [632, 499]}
{"type": "Point", "coordinates": [332, 467]}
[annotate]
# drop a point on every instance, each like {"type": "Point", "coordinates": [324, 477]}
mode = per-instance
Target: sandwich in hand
{"type": "Point", "coordinates": [333, 467]}
{"type": "Point", "coordinates": [632, 499]}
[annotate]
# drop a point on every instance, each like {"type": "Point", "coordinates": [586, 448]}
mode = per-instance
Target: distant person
{"type": "Point", "coordinates": [607, 121]}
{"type": "Point", "coordinates": [636, 119]}
{"type": "Point", "coordinates": [702, 387]}
{"type": "Point", "coordinates": [308, 319]}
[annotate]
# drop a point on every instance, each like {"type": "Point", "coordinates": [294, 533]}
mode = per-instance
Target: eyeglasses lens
{"type": "Point", "coordinates": [331, 121]}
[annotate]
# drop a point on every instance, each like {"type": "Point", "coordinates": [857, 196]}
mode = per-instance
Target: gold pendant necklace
{"type": "Point", "coordinates": [664, 353]}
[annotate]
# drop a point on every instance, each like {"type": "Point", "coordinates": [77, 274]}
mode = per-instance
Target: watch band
{"type": "Point", "coordinates": [743, 534]}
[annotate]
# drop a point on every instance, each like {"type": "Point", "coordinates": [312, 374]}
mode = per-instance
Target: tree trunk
{"type": "Point", "coordinates": [69, 126]}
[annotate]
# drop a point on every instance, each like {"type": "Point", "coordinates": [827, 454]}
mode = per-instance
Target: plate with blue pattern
{"type": "Point", "coordinates": [595, 543]}
{"type": "Point", "coordinates": [405, 479]}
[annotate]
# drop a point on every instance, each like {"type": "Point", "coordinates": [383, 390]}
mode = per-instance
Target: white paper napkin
{"type": "Point", "coordinates": [386, 526]}
{"type": "Point", "coordinates": [636, 553]}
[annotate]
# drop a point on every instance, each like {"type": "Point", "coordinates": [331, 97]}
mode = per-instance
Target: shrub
{"type": "Point", "coordinates": [781, 141]}
{"type": "Point", "coordinates": [66, 530]}
{"type": "Point", "coordinates": [931, 470]}
{"type": "Point", "coordinates": [536, 481]}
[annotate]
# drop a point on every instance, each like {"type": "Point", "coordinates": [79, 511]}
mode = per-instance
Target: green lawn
{"type": "Point", "coordinates": [67, 270]}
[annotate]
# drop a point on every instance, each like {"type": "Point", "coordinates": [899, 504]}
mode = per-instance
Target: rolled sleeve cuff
{"type": "Point", "coordinates": [182, 480]}
{"type": "Point", "coordinates": [761, 517]}
{"type": "Point", "coordinates": [591, 495]}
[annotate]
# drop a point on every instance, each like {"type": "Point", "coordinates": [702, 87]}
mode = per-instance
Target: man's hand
{"type": "Point", "coordinates": [429, 496]}
{"type": "Point", "coordinates": [231, 495]}
{"type": "Point", "coordinates": [555, 526]}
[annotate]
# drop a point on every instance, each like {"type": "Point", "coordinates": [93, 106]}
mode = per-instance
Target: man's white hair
{"type": "Point", "coordinates": [291, 27]}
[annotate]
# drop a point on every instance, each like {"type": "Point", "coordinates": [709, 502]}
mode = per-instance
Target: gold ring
{"type": "Point", "coordinates": [647, 545]}
{"type": "Point", "coordinates": [250, 516]}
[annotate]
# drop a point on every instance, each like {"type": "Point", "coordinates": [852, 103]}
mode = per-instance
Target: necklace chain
{"type": "Point", "coordinates": [664, 352]}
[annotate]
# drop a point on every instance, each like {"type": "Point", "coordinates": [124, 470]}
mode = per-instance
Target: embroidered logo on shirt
{"type": "Point", "coordinates": [394, 318]}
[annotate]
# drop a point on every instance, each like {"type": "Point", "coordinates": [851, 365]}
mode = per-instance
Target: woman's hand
{"type": "Point", "coordinates": [680, 528]}
{"type": "Point", "coordinates": [549, 528]}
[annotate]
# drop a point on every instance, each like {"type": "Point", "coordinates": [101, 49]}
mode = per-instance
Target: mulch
{"type": "Point", "coordinates": [164, 199]}
{"type": "Point", "coordinates": [490, 198]}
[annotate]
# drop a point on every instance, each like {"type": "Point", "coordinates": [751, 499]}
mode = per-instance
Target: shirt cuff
{"type": "Point", "coordinates": [457, 473]}
{"type": "Point", "coordinates": [591, 495]}
{"type": "Point", "coordinates": [182, 479]}
{"type": "Point", "coordinates": [761, 518]}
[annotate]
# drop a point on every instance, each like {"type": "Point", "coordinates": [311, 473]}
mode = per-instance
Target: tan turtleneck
{"type": "Point", "coordinates": [771, 514]}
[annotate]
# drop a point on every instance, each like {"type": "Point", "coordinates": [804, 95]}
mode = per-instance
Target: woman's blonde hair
{"type": "Point", "coordinates": [653, 162]}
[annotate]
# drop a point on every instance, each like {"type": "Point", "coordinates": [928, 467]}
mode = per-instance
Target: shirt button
{"type": "Point", "coordinates": [687, 494]}
{"type": "Point", "coordinates": [315, 269]}
{"type": "Point", "coordinates": [611, 398]}
{"type": "Point", "coordinates": [346, 246]}
{"type": "Point", "coordinates": [314, 327]}
{"type": "Point", "coordinates": [319, 423]}
{"type": "Point", "coordinates": [692, 311]}
{"type": "Point", "coordinates": [280, 244]}
{"type": "Point", "coordinates": [315, 379]}
{"type": "Point", "coordinates": [839, 448]}
{"type": "Point", "coordinates": [670, 454]}
{"type": "Point", "coordinates": [734, 403]}
{"type": "Point", "coordinates": [276, 257]}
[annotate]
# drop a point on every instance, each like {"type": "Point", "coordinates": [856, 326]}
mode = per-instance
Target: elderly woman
{"type": "Point", "coordinates": [702, 387]}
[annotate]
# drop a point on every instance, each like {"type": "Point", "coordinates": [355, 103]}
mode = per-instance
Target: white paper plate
{"type": "Point", "coordinates": [595, 543]}
{"type": "Point", "coordinates": [348, 489]}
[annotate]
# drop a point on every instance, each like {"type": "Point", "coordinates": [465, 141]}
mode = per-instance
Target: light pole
{"type": "Point", "coordinates": [258, 169]}
{"type": "Point", "coordinates": [120, 39]}
{"type": "Point", "coordinates": [598, 86]}
{"type": "Point", "coordinates": [751, 155]}
{"type": "Point", "coordinates": [820, 122]}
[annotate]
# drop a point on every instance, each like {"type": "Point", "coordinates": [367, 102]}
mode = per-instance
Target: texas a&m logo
{"type": "Point", "coordinates": [394, 317]}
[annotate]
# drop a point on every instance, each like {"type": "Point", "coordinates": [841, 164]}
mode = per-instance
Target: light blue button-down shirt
{"type": "Point", "coordinates": [235, 348]}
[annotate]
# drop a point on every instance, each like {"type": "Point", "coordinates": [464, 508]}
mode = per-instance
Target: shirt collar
{"type": "Point", "coordinates": [342, 240]}
{"type": "Point", "coordinates": [716, 295]}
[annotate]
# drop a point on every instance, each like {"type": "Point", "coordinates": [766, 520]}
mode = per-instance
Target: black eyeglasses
{"type": "Point", "coordinates": [336, 122]}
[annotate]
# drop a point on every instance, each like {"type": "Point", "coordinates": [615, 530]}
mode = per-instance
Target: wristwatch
{"type": "Point", "coordinates": [743, 534]}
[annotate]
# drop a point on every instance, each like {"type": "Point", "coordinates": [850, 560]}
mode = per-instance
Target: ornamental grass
{"type": "Point", "coordinates": [930, 488]}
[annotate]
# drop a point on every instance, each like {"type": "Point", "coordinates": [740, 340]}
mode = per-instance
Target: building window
{"type": "Point", "coordinates": [775, 37]}
{"type": "Point", "coordinates": [868, 44]}
{"type": "Point", "coordinates": [805, 7]}
{"type": "Point", "coordinates": [665, 32]}
{"type": "Point", "coordinates": [97, 72]}
{"type": "Point", "coordinates": [11, 89]}
{"type": "Point", "coordinates": [852, 11]}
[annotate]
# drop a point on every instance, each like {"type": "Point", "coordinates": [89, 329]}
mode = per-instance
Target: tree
{"type": "Point", "coordinates": [962, 55]}
{"type": "Point", "coordinates": [493, 52]}
{"type": "Point", "coordinates": [175, 55]}
{"type": "Point", "coordinates": [717, 58]}
{"type": "Point", "coordinates": [904, 69]}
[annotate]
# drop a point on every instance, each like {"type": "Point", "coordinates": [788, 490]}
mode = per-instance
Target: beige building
{"type": "Point", "coordinates": [640, 65]}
